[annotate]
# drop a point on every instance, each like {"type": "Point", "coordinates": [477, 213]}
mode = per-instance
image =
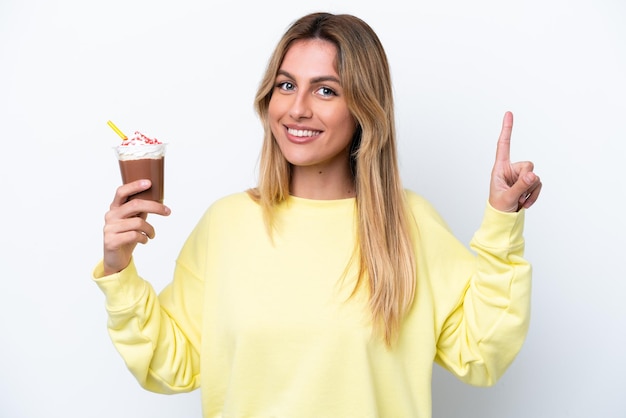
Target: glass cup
{"type": "Point", "coordinates": [143, 162]}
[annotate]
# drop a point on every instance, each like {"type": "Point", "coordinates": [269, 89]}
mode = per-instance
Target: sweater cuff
{"type": "Point", "coordinates": [122, 290]}
{"type": "Point", "coordinates": [501, 229]}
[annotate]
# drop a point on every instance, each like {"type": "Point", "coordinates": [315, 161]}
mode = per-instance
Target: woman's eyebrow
{"type": "Point", "coordinates": [314, 80]}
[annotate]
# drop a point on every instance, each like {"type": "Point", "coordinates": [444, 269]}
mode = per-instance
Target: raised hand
{"type": "Point", "coordinates": [513, 185]}
{"type": "Point", "coordinates": [125, 225]}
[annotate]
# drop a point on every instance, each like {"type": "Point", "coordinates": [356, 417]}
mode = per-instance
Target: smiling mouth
{"type": "Point", "coordinates": [303, 133]}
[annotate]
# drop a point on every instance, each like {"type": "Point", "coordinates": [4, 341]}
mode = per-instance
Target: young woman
{"type": "Point", "coordinates": [329, 289]}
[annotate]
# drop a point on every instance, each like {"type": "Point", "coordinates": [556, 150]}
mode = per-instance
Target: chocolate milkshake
{"type": "Point", "coordinates": [141, 157]}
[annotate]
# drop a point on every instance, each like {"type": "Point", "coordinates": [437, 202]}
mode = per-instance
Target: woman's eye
{"type": "Point", "coordinates": [285, 85]}
{"type": "Point", "coordinates": [326, 92]}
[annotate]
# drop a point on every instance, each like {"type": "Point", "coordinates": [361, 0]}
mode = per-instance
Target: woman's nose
{"type": "Point", "coordinates": [300, 107]}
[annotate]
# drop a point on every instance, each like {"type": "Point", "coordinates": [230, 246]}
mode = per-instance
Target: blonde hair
{"type": "Point", "coordinates": [385, 250]}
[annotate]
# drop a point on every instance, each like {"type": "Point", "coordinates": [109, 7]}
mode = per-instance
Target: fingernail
{"type": "Point", "coordinates": [167, 210]}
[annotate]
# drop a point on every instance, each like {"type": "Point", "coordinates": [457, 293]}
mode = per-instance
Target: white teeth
{"type": "Point", "coordinates": [301, 133]}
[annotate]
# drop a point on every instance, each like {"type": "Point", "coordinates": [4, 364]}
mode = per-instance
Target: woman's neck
{"type": "Point", "coordinates": [321, 183]}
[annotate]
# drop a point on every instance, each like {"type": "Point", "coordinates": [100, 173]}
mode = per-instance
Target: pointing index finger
{"type": "Point", "coordinates": [503, 151]}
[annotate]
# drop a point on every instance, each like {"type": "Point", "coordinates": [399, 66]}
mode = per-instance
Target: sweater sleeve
{"type": "Point", "coordinates": [158, 336]}
{"type": "Point", "coordinates": [486, 328]}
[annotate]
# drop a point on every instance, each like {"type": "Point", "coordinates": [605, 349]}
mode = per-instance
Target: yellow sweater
{"type": "Point", "coordinates": [268, 329]}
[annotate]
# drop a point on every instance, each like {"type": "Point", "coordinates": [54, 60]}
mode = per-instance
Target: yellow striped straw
{"type": "Point", "coordinates": [117, 131]}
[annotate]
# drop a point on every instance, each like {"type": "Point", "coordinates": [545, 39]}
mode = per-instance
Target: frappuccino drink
{"type": "Point", "coordinates": [142, 157]}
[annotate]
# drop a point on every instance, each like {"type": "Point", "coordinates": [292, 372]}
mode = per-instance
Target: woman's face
{"type": "Point", "coordinates": [308, 113]}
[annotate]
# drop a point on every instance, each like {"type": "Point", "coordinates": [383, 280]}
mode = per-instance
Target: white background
{"type": "Point", "coordinates": [187, 71]}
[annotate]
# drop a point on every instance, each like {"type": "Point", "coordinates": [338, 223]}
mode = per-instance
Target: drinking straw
{"type": "Point", "coordinates": [117, 131]}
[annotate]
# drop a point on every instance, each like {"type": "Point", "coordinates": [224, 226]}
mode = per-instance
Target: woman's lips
{"type": "Point", "coordinates": [302, 136]}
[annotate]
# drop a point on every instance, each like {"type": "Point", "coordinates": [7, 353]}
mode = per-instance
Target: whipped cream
{"type": "Point", "coordinates": [139, 146]}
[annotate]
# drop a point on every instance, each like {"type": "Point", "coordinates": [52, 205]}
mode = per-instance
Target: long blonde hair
{"type": "Point", "coordinates": [385, 250]}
